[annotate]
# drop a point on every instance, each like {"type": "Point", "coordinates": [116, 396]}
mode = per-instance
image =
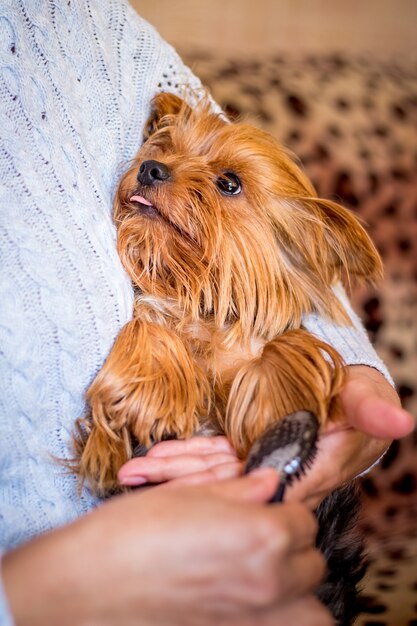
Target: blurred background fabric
{"type": "Point", "coordinates": [336, 82]}
{"type": "Point", "coordinates": [386, 28]}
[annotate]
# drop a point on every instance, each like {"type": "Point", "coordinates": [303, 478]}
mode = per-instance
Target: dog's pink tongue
{"type": "Point", "coordinates": [141, 200]}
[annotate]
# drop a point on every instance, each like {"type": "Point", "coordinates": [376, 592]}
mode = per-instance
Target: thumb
{"type": "Point", "coordinates": [259, 486]}
{"type": "Point", "coordinates": [372, 406]}
{"type": "Point", "coordinates": [375, 413]}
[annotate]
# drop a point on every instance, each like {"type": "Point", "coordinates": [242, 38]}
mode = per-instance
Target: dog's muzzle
{"type": "Point", "coordinates": [152, 172]}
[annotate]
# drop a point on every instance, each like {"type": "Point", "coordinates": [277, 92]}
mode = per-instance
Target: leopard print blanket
{"type": "Point", "coordinates": [353, 123]}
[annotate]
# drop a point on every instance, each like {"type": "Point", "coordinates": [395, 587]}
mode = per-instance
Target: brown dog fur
{"type": "Point", "coordinates": [222, 283]}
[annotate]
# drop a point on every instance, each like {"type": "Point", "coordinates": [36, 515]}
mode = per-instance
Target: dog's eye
{"type": "Point", "coordinates": [229, 184]}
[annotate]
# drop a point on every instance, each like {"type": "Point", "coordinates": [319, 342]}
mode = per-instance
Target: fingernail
{"type": "Point", "coordinates": [132, 481]}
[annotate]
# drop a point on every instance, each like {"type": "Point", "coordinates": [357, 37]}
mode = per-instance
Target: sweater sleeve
{"type": "Point", "coordinates": [5, 617]}
{"type": "Point", "coordinates": [352, 342]}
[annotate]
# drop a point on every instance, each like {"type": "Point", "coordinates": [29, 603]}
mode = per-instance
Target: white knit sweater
{"type": "Point", "coordinates": [76, 80]}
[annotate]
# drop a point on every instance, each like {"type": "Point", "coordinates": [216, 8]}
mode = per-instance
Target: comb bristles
{"type": "Point", "coordinates": [288, 446]}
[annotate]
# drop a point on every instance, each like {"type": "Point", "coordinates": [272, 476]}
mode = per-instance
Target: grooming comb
{"type": "Point", "coordinates": [289, 446]}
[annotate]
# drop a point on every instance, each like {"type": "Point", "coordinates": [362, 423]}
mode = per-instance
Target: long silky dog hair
{"type": "Point", "coordinates": [228, 248]}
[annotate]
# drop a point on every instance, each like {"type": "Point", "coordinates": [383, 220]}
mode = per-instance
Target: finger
{"type": "Point", "coordinates": [291, 526]}
{"type": "Point", "coordinates": [307, 611]}
{"type": "Point", "coordinates": [294, 522]}
{"type": "Point", "coordinates": [296, 529]}
{"type": "Point", "coordinates": [288, 580]}
{"type": "Point", "coordinates": [319, 482]}
{"type": "Point", "coordinates": [225, 471]}
{"type": "Point", "coordinates": [160, 469]}
{"type": "Point", "coordinates": [195, 445]}
{"type": "Point", "coordinates": [371, 405]}
{"type": "Point", "coordinates": [257, 487]}
{"type": "Point", "coordinates": [341, 456]}
{"type": "Point", "coordinates": [376, 417]}
{"type": "Point", "coordinates": [304, 571]}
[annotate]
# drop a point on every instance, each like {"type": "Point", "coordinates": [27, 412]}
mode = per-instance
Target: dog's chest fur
{"type": "Point", "coordinates": [218, 351]}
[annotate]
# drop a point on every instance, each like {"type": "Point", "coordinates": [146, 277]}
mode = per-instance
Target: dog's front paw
{"type": "Point", "coordinates": [148, 389]}
{"type": "Point", "coordinates": [295, 372]}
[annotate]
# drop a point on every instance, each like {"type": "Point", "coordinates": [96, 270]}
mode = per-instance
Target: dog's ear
{"type": "Point", "coordinates": [164, 107]}
{"type": "Point", "coordinates": [319, 244]}
{"type": "Point", "coordinates": [319, 241]}
{"type": "Point", "coordinates": [327, 237]}
{"type": "Point", "coordinates": [349, 244]}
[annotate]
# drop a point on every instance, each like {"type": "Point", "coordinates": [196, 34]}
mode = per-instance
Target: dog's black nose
{"type": "Point", "coordinates": [151, 172]}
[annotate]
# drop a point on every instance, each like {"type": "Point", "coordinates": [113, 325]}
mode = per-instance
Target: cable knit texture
{"type": "Point", "coordinates": [76, 81]}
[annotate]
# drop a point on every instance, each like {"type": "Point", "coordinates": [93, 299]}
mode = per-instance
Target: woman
{"type": "Point", "coordinates": [76, 84]}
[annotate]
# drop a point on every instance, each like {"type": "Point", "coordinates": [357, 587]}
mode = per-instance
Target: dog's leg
{"type": "Point", "coordinates": [148, 388]}
{"type": "Point", "coordinates": [294, 372]}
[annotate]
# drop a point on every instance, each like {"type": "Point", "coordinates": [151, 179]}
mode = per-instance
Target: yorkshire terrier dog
{"type": "Point", "coordinates": [228, 248]}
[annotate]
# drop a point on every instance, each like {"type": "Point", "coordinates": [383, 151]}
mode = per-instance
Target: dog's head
{"type": "Point", "coordinates": [219, 217]}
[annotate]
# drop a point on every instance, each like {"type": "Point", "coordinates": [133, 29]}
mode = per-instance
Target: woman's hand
{"type": "Point", "coordinates": [372, 419]}
{"type": "Point", "coordinates": [185, 556]}
{"type": "Point", "coordinates": [193, 461]}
